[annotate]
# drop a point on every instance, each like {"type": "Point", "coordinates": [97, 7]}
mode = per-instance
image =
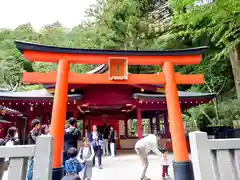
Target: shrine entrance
{"type": "Point", "coordinates": [118, 62]}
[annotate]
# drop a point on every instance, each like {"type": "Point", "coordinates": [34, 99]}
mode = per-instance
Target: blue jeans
{"type": "Point", "coordinates": [30, 170]}
{"type": "Point", "coordinates": [98, 153]}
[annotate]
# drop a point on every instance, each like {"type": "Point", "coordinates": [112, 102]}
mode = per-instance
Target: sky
{"type": "Point", "coordinates": [41, 12]}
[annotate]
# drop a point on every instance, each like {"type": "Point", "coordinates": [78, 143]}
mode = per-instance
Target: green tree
{"type": "Point", "coordinates": [216, 25]}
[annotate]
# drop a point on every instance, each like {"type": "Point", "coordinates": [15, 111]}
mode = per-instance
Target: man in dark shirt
{"type": "Point", "coordinates": [32, 138]}
{"type": "Point", "coordinates": [71, 137]}
{"type": "Point", "coordinates": [105, 140]}
{"type": "Point", "coordinates": [35, 132]}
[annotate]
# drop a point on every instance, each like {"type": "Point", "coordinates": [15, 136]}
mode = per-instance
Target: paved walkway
{"type": "Point", "coordinates": [127, 167]}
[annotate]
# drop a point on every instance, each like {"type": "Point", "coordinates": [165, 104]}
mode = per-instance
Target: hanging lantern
{"type": "Point", "coordinates": [31, 108]}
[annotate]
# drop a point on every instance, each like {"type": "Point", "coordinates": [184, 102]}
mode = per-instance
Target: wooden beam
{"type": "Point", "coordinates": [189, 78]}
{"type": "Point", "coordinates": [103, 59]}
{"type": "Point", "coordinates": [75, 78]}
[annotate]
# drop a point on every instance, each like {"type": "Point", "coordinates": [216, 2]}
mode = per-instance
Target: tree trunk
{"type": "Point", "coordinates": [235, 61]}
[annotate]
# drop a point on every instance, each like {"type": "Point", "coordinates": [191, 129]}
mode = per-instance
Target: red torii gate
{"type": "Point", "coordinates": [118, 74]}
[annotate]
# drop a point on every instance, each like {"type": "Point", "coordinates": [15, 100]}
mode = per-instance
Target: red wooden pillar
{"type": "Point", "coordinates": [175, 116]}
{"type": "Point", "coordinates": [126, 127]}
{"type": "Point", "coordinates": [75, 115]}
{"type": "Point", "coordinates": [139, 123]}
{"type": "Point", "coordinates": [157, 122]}
{"type": "Point", "coordinates": [59, 112]}
{"type": "Point", "coordinates": [150, 128]}
{"type": "Point", "coordinates": [166, 124]}
{"type": "Point", "coordinates": [31, 116]}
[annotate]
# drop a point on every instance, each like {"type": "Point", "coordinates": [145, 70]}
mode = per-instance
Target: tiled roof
{"type": "Point", "coordinates": [181, 94]}
{"type": "Point", "coordinates": [41, 94]}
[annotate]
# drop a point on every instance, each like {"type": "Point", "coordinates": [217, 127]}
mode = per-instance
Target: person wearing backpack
{"type": "Point", "coordinates": [32, 138]}
{"type": "Point", "coordinates": [71, 137]}
{"type": "Point", "coordinates": [96, 140]}
{"type": "Point", "coordinates": [86, 155]}
{"type": "Point", "coordinates": [72, 166]}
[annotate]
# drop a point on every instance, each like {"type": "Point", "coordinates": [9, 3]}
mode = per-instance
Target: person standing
{"type": "Point", "coordinates": [45, 130]}
{"type": "Point", "coordinates": [165, 164]}
{"type": "Point", "coordinates": [95, 138]}
{"type": "Point", "coordinates": [105, 140]}
{"type": "Point", "coordinates": [112, 140]}
{"type": "Point", "coordinates": [143, 147]}
{"type": "Point", "coordinates": [72, 166]}
{"type": "Point", "coordinates": [86, 155]}
{"type": "Point", "coordinates": [12, 137]}
{"type": "Point", "coordinates": [71, 136]}
{"type": "Point", "coordinates": [32, 138]}
{"type": "Point", "coordinates": [10, 140]}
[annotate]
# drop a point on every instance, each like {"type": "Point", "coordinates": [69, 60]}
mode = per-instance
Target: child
{"type": "Point", "coordinates": [165, 164]}
{"type": "Point", "coordinates": [86, 155]}
{"type": "Point", "coordinates": [72, 166]}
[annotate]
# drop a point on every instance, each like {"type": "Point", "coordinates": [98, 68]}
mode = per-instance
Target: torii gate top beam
{"type": "Point", "coordinates": [42, 53]}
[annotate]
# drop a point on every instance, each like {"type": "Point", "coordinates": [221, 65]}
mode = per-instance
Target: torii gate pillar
{"type": "Point", "coordinates": [182, 166]}
{"type": "Point", "coordinates": [59, 117]}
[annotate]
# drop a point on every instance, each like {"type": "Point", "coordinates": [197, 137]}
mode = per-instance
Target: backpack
{"type": "Point", "coordinates": [81, 152]}
{"type": "Point", "coordinates": [71, 138]}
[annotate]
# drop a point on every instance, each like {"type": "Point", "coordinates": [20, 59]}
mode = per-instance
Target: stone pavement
{"type": "Point", "coordinates": [127, 167]}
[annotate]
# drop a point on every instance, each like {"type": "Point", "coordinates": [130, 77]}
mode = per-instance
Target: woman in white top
{"type": "Point", "coordinates": [143, 147]}
{"type": "Point", "coordinates": [86, 155]}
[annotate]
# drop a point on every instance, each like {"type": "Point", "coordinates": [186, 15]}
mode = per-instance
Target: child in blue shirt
{"type": "Point", "coordinates": [72, 166]}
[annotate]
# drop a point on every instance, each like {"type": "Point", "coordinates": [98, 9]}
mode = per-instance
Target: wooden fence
{"type": "Point", "coordinates": [215, 159]}
{"type": "Point", "coordinates": [19, 156]}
